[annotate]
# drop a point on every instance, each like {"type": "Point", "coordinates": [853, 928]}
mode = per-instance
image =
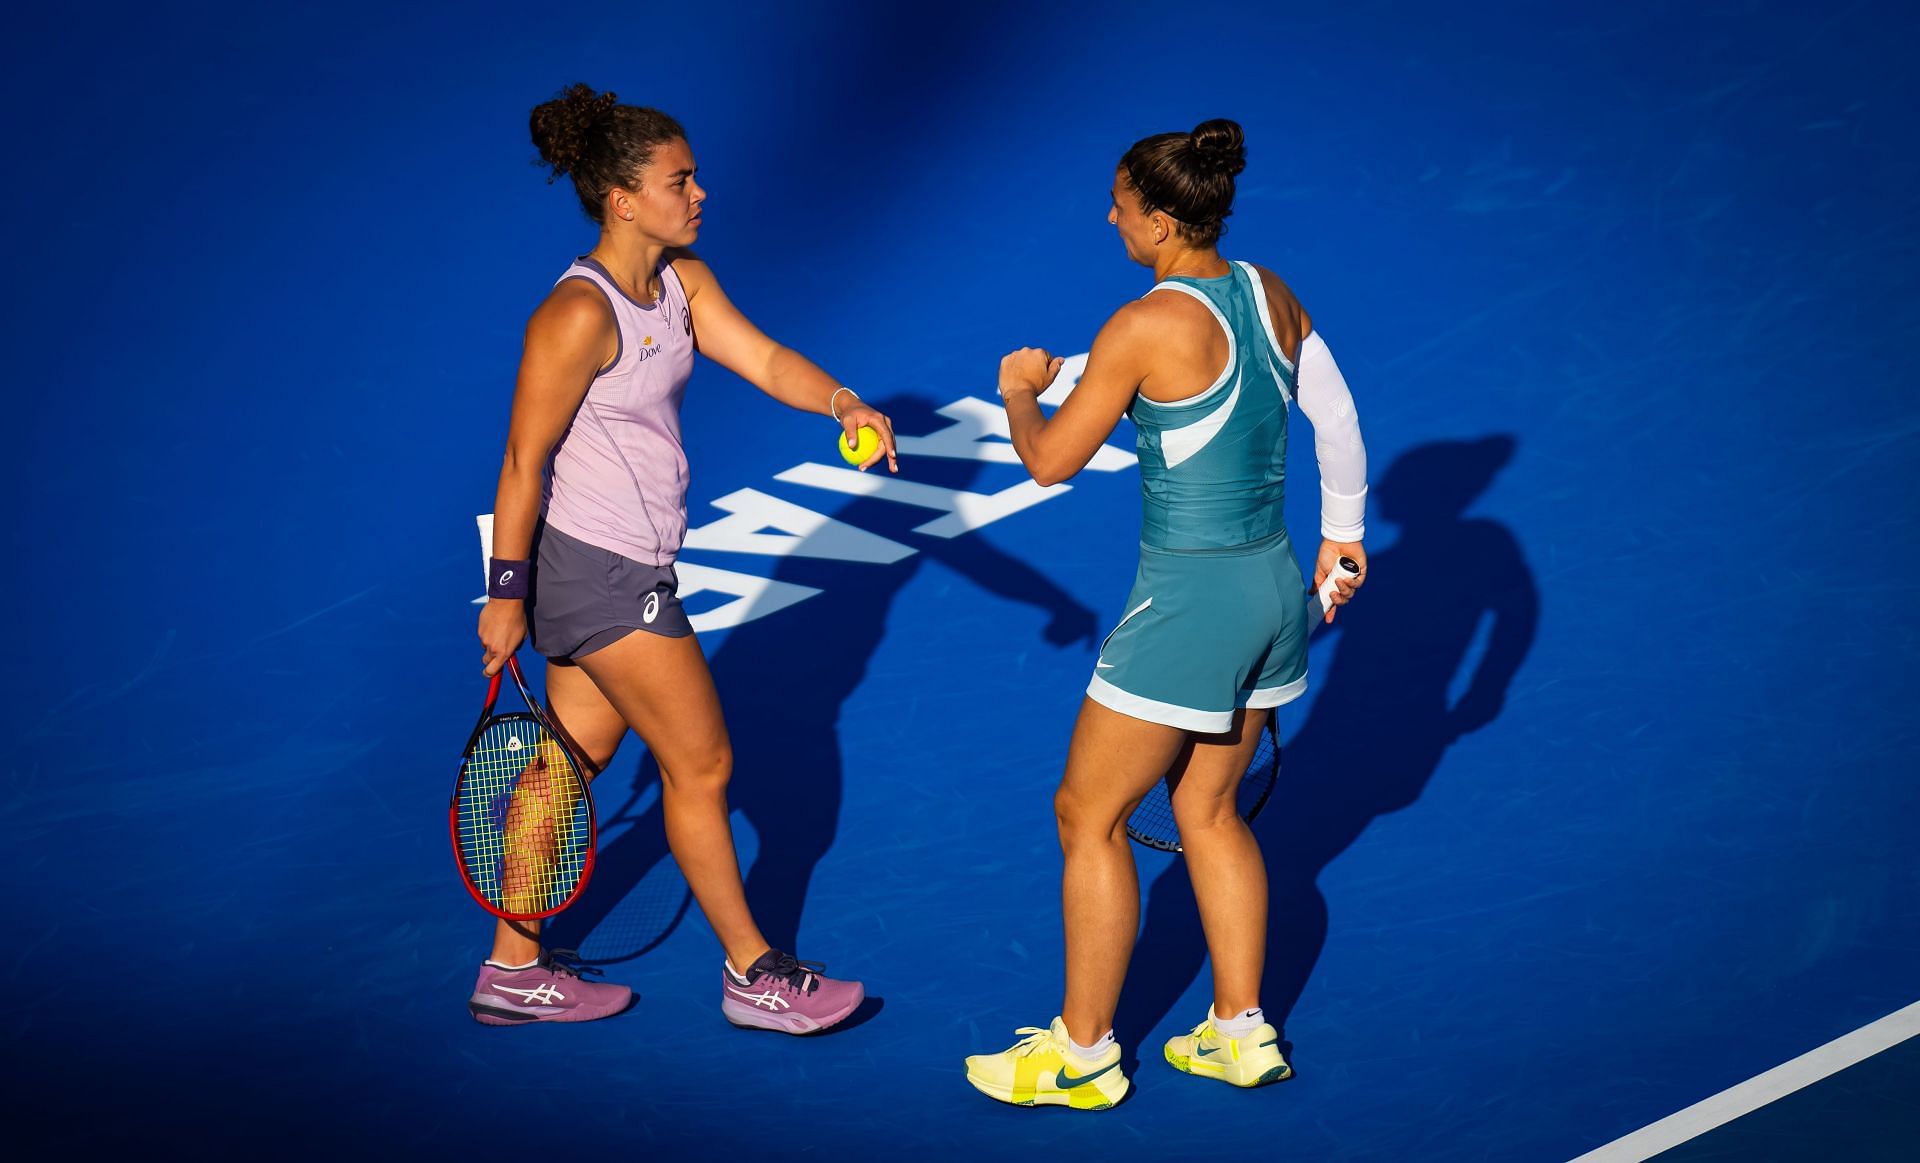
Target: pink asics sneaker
{"type": "Point", "coordinates": [780, 993]}
{"type": "Point", "coordinates": [552, 990]}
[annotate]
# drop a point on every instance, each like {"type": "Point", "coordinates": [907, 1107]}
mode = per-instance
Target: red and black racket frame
{"type": "Point", "coordinates": [536, 715]}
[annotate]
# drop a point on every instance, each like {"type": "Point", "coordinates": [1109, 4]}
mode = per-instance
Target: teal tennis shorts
{"type": "Point", "coordinates": [1205, 633]}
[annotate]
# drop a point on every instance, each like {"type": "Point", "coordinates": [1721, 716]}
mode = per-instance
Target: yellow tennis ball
{"type": "Point", "coordinates": [869, 444]}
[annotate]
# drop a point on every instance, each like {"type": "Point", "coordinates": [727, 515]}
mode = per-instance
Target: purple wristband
{"type": "Point", "coordinates": [506, 579]}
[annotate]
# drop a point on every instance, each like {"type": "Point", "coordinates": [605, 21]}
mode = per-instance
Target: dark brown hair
{"type": "Point", "coordinates": [1189, 176]}
{"type": "Point", "coordinates": [598, 142]}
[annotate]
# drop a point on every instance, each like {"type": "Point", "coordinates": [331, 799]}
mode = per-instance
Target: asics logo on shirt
{"type": "Point", "coordinates": [539, 995]}
{"type": "Point", "coordinates": [770, 999]}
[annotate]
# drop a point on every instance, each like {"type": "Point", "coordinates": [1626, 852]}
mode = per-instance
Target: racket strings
{"type": "Point", "coordinates": [524, 822]}
{"type": "Point", "coordinates": [1153, 823]}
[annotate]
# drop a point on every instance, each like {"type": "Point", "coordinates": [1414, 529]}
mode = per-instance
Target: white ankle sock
{"type": "Point", "coordinates": [1239, 1026]}
{"type": "Point", "coordinates": [1098, 1048]}
{"type": "Point", "coordinates": [512, 968]}
{"type": "Point", "coordinates": [735, 974]}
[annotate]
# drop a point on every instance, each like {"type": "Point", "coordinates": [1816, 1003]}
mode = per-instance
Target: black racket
{"type": "Point", "coordinates": [521, 817]}
{"type": "Point", "coordinates": [1152, 822]}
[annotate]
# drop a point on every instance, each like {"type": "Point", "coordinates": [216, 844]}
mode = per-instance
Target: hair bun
{"type": "Point", "coordinates": [560, 126]}
{"type": "Point", "coordinates": [1219, 147]}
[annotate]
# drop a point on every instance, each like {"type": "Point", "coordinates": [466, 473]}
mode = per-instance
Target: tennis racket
{"type": "Point", "coordinates": [1152, 822]}
{"type": "Point", "coordinates": [521, 818]}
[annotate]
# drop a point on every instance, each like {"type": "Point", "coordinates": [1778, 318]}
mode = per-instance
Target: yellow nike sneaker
{"type": "Point", "coordinates": [1042, 1070]}
{"type": "Point", "coordinates": [1254, 1060]}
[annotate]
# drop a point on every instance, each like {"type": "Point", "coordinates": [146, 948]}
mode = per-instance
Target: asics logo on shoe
{"type": "Point", "coordinates": [1206, 1050]}
{"type": "Point", "coordinates": [539, 995]}
{"type": "Point", "coordinates": [770, 999]}
{"type": "Point", "coordinates": [1275, 1042]}
{"type": "Point", "coordinates": [1066, 1081]}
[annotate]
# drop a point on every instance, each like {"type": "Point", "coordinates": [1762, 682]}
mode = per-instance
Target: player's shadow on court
{"type": "Point", "coordinates": [1380, 724]}
{"type": "Point", "coordinates": [783, 682]}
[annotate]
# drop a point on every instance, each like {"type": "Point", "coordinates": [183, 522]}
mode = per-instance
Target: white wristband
{"type": "Point", "coordinates": [1343, 518]}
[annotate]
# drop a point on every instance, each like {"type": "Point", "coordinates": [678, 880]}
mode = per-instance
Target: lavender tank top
{"type": "Point", "coordinates": [618, 477]}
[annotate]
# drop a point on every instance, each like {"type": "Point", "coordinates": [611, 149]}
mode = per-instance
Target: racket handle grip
{"type": "Point", "coordinates": [1323, 597]}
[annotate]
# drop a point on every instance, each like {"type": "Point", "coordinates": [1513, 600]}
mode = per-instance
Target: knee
{"type": "Point", "coordinates": [1197, 815]}
{"type": "Point", "coordinates": [704, 773]}
{"type": "Point", "coordinates": [1081, 822]}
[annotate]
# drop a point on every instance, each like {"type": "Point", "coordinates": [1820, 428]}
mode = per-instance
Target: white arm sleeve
{"type": "Point", "coordinates": [1322, 392]}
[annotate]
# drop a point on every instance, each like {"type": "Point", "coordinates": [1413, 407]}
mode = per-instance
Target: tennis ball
{"type": "Point", "coordinates": [869, 444]}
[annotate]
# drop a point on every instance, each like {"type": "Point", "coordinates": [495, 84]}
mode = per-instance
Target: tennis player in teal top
{"type": "Point", "coordinates": [1214, 634]}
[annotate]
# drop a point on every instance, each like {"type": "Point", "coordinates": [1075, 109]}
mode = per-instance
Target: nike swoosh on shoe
{"type": "Point", "coordinates": [1067, 1081]}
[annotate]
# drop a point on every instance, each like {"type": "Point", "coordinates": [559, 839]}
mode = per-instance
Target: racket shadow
{"type": "Point", "coordinates": [636, 897]}
{"type": "Point", "coordinates": [1380, 725]}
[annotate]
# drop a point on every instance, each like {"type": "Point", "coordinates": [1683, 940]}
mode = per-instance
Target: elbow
{"type": "Point", "coordinates": [519, 461]}
{"type": "Point", "coordinates": [1047, 475]}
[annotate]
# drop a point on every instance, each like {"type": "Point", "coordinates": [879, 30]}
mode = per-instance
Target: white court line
{"type": "Point", "coordinates": [1757, 1092]}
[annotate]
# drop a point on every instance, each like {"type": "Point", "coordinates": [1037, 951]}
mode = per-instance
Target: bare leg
{"type": "Point", "coordinates": [595, 729]}
{"type": "Point", "coordinates": [1223, 859]}
{"type": "Point", "coordinates": [663, 690]}
{"type": "Point", "coordinates": [1112, 763]}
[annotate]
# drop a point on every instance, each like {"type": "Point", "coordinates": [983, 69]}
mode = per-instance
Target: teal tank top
{"type": "Point", "coordinates": [1213, 467]}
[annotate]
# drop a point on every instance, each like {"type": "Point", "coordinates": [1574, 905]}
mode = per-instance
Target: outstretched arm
{"type": "Point", "coordinates": [730, 339]}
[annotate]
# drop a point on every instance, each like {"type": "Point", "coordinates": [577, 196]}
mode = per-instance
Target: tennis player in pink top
{"type": "Point", "coordinates": [591, 511]}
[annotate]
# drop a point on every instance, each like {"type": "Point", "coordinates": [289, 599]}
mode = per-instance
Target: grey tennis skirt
{"type": "Point", "coordinates": [582, 597]}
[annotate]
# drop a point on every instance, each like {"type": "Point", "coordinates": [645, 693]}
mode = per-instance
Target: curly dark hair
{"type": "Point", "coordinates": [1189, 176]}
{"type": "Point", "coordinates": [598, 142]}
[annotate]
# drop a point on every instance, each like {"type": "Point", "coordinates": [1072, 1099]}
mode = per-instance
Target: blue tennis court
{"type": "Point", "coordinates": [1603, 798]}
